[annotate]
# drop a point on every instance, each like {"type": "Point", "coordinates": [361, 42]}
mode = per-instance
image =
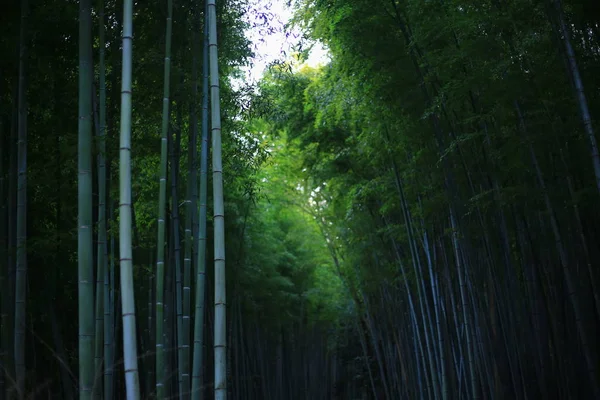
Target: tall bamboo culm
{"type": "Point", "coordinates": [198, 358]}
{"type": "Point", "coordinates": [162, 201]}
{"type": "Point", "coordinates": [132, 386]}
{"type": "Point", "coordinates": [220, 333]}
{"type": "Point", "coordinates": [84, 243]}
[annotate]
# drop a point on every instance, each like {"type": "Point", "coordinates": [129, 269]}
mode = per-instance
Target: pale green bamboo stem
{"type": "Point", "coordinates": [132, 386]}
{"type": "Point", "coordinates": [220, 332]}
{"type": "Point", "coordinates": [177, 260]}
{"type": "Point", "coordinates": [189, 207]}
{"type": "Point", "coordinates": [187, 260]}
{"type": "Point", "coordinates": [192, 187]}
{"type": "Point", "coordinates": [162, 201]}
{"type": "Point", "coordinates": [198, 358]}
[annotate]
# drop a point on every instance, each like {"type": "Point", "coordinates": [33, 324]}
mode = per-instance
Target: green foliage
{"type": "Point", "coordinates": [338, 185]}
{"type": "Point", "coordinates": [286, 257]}
{"type": "Point", "coordinates": [428, 107]}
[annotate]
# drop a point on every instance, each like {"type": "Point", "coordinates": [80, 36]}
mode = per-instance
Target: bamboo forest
{"type": "Point", "coordinates": [414, 216]}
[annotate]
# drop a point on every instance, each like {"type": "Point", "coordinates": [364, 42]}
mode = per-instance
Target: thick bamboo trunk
{"type": "Point", "coordinates": [182, 380]}
{"type": "Point", "coordinates": [220, 345]}
{"type": "Point", "coordinates": [110, 285]}
{"type": "Point", "coordinates": [200, 296]}
{"type": "Point", "coordinates": [187, 256]}
{"type": "Point", "coordinates": [132, 386]}
{"type": "Point", "coordinates": [162, 205]}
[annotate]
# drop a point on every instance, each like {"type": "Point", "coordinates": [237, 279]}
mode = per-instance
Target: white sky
{"type": "Point", "coordinates": [269, 41]}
